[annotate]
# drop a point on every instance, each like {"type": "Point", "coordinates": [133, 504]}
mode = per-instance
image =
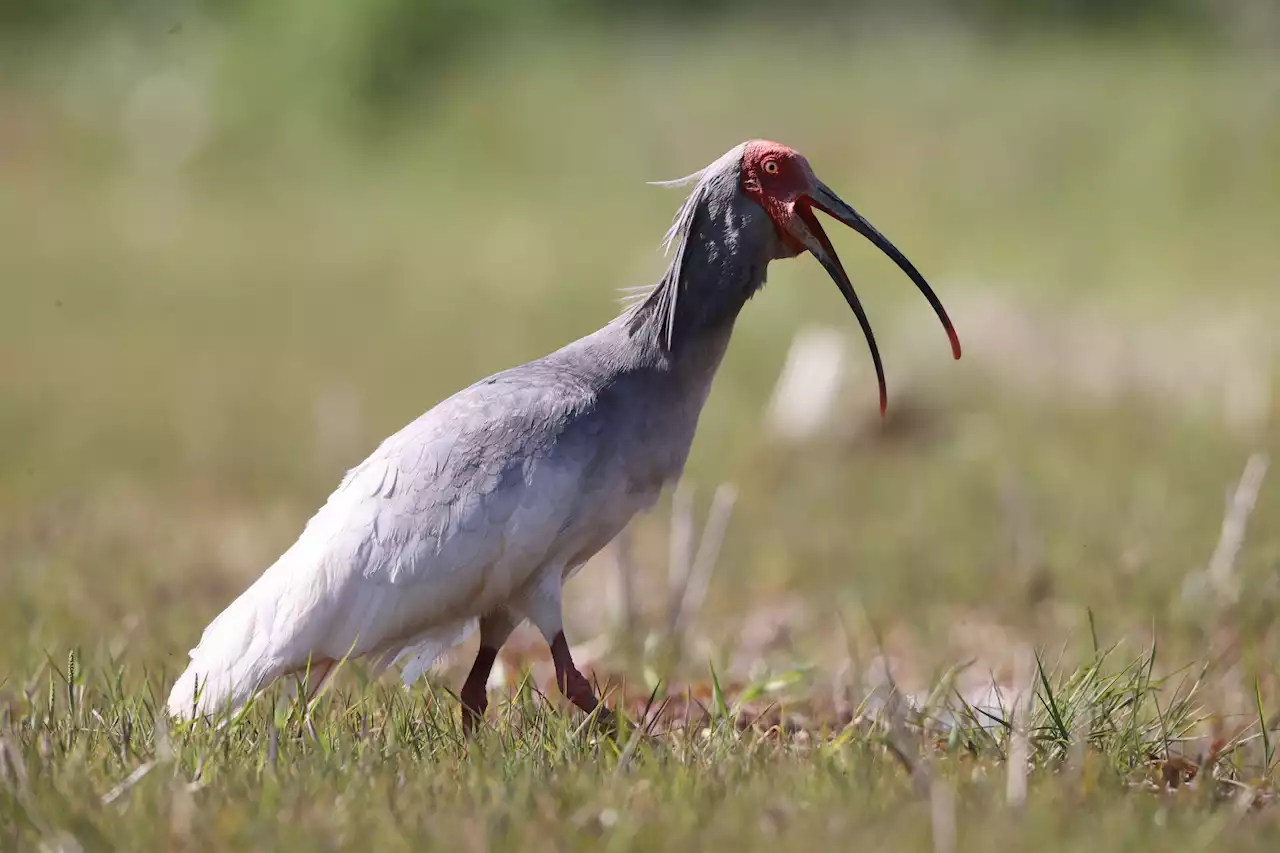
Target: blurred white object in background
{"type": "Point", "coordinates": [1202, 358]}
{"type": "Point", "coordinates": [809, 386]}
{"type": "Point", "coordinates": [166, 119]}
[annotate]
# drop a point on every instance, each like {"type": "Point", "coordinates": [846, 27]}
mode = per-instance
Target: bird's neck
{"type": "Point", "coordinates": [655, 363]}
{"type": "Point", "coordinates": [676, 336]}
{"type": "Point", "coordinates": [690, 313]}
{"type": "Point", "coordinates": [675, 351]}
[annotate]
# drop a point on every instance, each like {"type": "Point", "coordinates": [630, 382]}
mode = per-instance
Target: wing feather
{"type": "Point", "coordinates": [447, 516]}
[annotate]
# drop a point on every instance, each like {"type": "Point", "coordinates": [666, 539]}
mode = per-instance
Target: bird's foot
{"type": "Point", "coordinates": [575, 687]}
{"type": "Point", "coordinates": [577, 690]}
{"type": "Point", "coordinates": [472, 718]}
{"type": "Point", "coordinates": [607, 722]}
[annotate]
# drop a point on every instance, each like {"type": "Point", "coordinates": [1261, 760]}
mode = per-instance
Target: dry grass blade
{"type": "Point", "coordinates": [1234, 522]}
{"type": "Point", "coordinates": [704, 562]}
{"type": "Point", "coordinates": [1218, 578]}
{"type": "Point", "coordinates": [127, 785]}
{"type": "Point", "coordinates": [13, 771]}
{"type": "Point", "coordinates": [680, 557]}
{"type": "Point", "coordinates": [1019, 734]}
{"type": "Point", "coordinates": [690, 574]}
{"type": "Point", "coordinates": [622, 590]}
{"type": "Point", "coordinates": [942, 816]}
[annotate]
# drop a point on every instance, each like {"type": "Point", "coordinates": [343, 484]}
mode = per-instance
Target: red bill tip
{"type": "Point", "coordinates": [955, 341]}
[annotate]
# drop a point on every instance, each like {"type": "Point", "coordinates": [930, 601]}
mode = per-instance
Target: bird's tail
{"type": "Point", "coordinates": [233, 660]}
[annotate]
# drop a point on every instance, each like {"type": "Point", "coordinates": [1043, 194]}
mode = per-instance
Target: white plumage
{"type": "Point", "coordinates": [472, 508]}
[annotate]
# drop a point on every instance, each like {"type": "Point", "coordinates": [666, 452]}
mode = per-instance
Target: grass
{"type": "Point", "coordinates": [198, 338]}
{"type": "Point", "coordinates": [87, 758]}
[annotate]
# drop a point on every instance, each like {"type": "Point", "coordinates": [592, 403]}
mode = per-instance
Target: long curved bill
{"type": "Point", "coordinates": [816, 241]}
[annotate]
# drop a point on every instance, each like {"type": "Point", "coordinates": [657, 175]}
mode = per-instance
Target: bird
{"type": "Point", "coordinates": [474, 515]}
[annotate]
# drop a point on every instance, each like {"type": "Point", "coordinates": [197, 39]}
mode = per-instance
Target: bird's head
{"type": "Point", "coordinates": [782, 183]}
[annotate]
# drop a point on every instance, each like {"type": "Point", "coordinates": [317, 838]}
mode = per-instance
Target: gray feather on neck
{"type": "Point", "coordinates": [654, 309]}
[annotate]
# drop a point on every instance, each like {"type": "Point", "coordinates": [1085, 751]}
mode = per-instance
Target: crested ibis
{"type": "Point", "coordinates": [476, 513]}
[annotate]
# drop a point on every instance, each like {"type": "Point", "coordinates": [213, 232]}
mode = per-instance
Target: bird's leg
{"type": "Point", "coordinates": [316, 677]}
{"type": "Point", "coordinates": [541, 603]}
{"type": "Point", "coordinates": [572, 683]}
{"type": "Point", "coordinates": [475, 691]}
{"type": "Point", "coordinates": [494, 630]}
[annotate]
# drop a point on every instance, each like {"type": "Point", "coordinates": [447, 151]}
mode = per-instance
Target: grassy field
{"type": "Point", "coordinates": [213, 301]}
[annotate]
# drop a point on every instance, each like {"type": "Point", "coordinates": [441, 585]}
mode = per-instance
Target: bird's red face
{"type": "Point", "coordinates": [780, 181]}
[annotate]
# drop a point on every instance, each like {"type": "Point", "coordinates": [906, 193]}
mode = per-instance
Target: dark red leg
{"type": "Point", "coordinates": [475, 691]}
{"type": "Point", "coordinates": [574, 684]}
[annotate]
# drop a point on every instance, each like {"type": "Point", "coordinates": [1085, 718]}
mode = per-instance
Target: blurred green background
{"type": "Point", "coordinates": [241, 242]}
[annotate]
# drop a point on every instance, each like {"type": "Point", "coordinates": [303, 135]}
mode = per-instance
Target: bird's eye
{"type": "Point", "coordinates": [771, 166]}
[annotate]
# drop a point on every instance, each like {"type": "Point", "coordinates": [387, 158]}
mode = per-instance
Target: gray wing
{"type": "Point", "coordinates": [445, 513]}
{"type": "Point", "coordinates": [443, 491]}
